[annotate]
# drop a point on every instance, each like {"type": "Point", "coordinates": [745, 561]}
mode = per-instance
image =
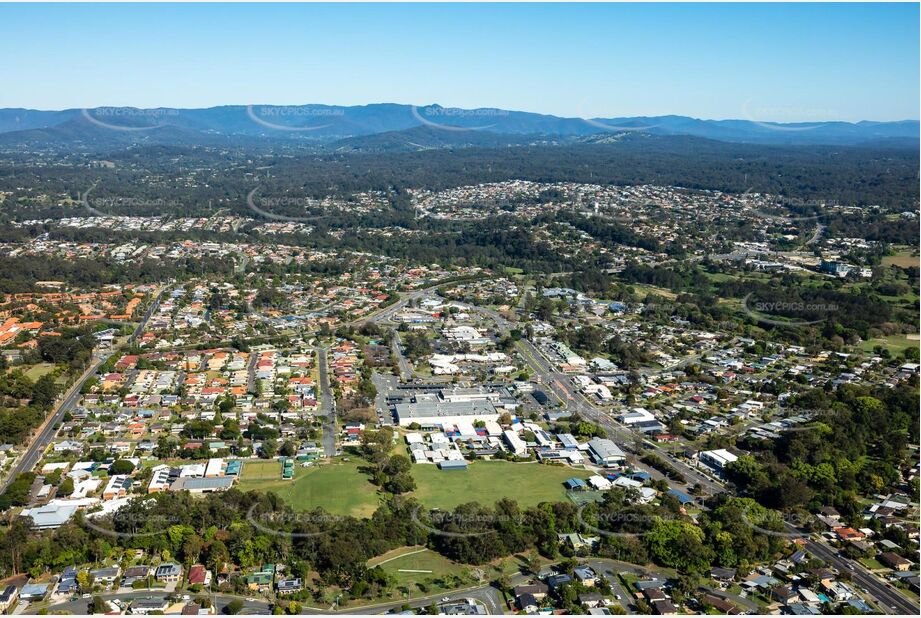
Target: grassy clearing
{"type": "Point", "coordinates": [642, 289]}
{"type": "Point", "coordinates": [36, 371]}
{"type": "Point", "coordinates": [903, 258]}
{"type": "Point", "coordinates": [488, 481]}
{"type": "Point", "coordinates": [339, 487]}
{"type": "Point", "coordinates": [419, 571]}
{"type": "Point", "coordinates": [417, 565]}
{"type": "Point", "coordinates": [895, 343]}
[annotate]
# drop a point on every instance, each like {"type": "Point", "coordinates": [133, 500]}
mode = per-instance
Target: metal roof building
{"type": "Point", "coordinates": [440, 413]}
{"type": "Point", "coordinates": [50, 515]}
{"type": "Point", "coordinates": [605, 452]}
{"type": "Point", "coordinates": [198, 485]}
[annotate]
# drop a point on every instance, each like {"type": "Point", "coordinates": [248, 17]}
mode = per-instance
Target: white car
{"type": "Point", "coordinates": [445, 599]}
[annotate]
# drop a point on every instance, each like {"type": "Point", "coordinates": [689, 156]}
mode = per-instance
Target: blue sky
{"type": "Point", "coordinates": [762, 62]}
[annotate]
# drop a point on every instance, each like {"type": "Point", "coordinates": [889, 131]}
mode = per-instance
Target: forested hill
{"type": "Point", "coordinates": [325, 124]}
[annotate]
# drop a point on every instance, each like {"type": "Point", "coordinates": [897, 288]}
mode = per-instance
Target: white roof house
{"type": "Point", "coordinates": [718, 459]}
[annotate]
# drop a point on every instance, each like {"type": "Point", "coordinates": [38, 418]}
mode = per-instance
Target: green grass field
{"type": "Point", "coordinates": [409, 565]}
{"type": "Point", "coordinates": [342, 489]}
{"type": "Point", "coordinates": [339, 487]}
{"type": "Point", "coordinates": [895, 343]}
{"type": "Point", "coordinates": [36, 371]}
{"type": "Point", "coordinates": [488, 481]}
{"type": "Point", "coordinates": [418, 571]}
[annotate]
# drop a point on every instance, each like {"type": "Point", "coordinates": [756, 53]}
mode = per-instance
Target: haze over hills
{"type": "Point", "coordinates": [386, 127]}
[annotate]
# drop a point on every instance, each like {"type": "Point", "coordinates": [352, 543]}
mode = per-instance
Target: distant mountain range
{"type": "Point", "coordinates": [392, 127]}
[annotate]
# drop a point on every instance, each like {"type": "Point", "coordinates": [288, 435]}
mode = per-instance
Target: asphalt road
{"type": "Point", "coordinates": [406, 370]}
{"type": "Point", "coordinates": [251, 373]}
{"type": "Point", "coordinates": [327, 406]}
{"type": "Point", "coordinates": [153, 307]}
{"type": "Point", "coordinates": [560, 385]}
{"type": "Point", "coordinates": [80, 606]}
{"type": "Point", "coordinates": [389, 311]}
{"type": "Point", "coordinates": [892, 601]}
{"type": "Point", "coordinates": [36, 449]}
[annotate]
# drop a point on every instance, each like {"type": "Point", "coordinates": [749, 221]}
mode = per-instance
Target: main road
{"type": "Point", "coordinates": [558, 382]}
{"type": "Point", "coordinates": [48, 430]}
{"type": "Point", "coordinates": [81, 606]}
{"type": "Point", "coordinates": [891, 600]}
{"type": "Point", "coordinates": [561, 386]}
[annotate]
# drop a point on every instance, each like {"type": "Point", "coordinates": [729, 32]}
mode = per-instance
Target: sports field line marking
{"type": "Point", "coordinates": [418, 551]}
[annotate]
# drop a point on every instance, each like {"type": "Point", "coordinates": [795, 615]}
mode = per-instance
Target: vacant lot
{"type": "Point", "coordinates": [902, 258]}
{"type": "Point", "coordinates": [338, 487]}
{"type": "Point", "coordinates": [488, 481]}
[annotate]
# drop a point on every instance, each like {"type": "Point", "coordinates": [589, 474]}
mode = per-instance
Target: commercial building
{"type": "Point", "coordinates": [439, 413]}
{"type": "Point", "coordinates": [201, 485]}
{"type": "Point", "coordinates": [605, 453]}
{"type": "Point", "coordinates": [717, 459]}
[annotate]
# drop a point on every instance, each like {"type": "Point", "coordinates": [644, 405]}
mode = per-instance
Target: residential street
{"type": "Point", "coordinates": [327, 405]}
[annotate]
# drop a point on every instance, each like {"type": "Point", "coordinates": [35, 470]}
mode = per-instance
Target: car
{"type": "Point", "coordinates": [617, 596]}
{"type": "Point", "coordinates": [445, 599]}
{"type": "Point", "coordinates": [86, 596]}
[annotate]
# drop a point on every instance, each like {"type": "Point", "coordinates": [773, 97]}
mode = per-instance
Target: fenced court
{"type": "Point", "coordinates": [261, 471]}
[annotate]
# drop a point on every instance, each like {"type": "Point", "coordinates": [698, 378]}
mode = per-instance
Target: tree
{"type": "Point", "coordinates": [121, 466]}
{"type": "Point", "coordinates": [85, 581]}
{"type": "Point", "coordinates": [44, 392]}
{"type": "Point", "coordinates": [99, 606]}
{"type": "Point", "coordinates": [66, 487]}
{"type": "Point", "coordinates": [532, 562]}
{"type": "Point", "coordinates": [233, 607]}
{"type": "Point", "coordinates": [269, 448]}
{"type": "Point", "coordinates": [678, 544]}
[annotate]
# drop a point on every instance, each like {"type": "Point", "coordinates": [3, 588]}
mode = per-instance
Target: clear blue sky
{"type": "Point", "coordinates": [763, 62]}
